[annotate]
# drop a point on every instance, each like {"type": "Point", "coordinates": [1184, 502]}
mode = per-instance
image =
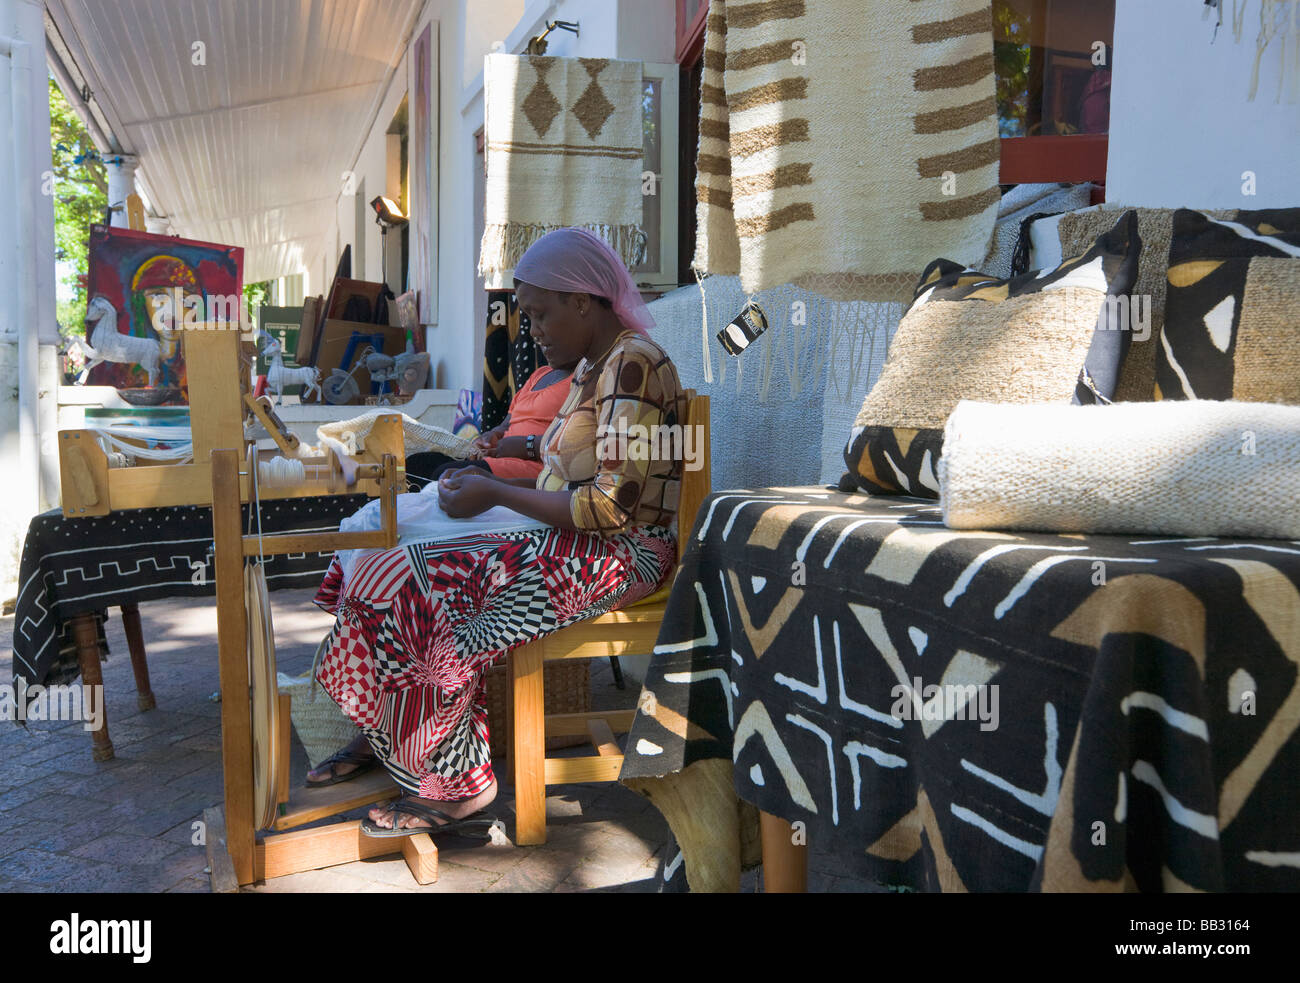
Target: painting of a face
{"type": "Point", "coordinates": [155, 282]}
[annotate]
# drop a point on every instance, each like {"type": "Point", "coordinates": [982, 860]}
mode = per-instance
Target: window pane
{"type": "Point", "coordinates": [1053, 61]}
{"type": "Point", "coordinates": [652, 132]}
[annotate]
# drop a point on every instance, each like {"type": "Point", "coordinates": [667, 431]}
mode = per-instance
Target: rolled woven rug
{"type": "Point", "coordinates": [1188, 468]}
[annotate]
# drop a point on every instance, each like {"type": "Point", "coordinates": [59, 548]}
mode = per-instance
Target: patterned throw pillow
{"type": "Point", "coordinates": [1232, 327]}
{"type": "Point", "coordinates": [1044, 336]}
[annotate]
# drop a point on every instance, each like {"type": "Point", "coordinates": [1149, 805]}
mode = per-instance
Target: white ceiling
{"type": "Point", "coordinates": [248, 150]}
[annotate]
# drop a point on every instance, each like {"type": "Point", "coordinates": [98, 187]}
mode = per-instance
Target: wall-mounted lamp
{"type": "Point", "coordinates": [537, 46]}
{"type": "Point", "coordinates": [388, 213]}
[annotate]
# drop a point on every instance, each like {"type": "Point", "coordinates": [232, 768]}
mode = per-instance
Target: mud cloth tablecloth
{"type": "Point", "coordinates": [1131, 721]}
{"type": "Point", "coordinates": [75, 566]}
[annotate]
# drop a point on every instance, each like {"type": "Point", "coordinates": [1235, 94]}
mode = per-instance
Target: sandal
{"type": "Point", "coordinates": [363, 762]}
{"type": "Point", "coordinates": [411, 805]}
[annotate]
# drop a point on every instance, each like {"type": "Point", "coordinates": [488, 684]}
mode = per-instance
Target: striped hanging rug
{"type": "Point", "coordinates": [564, 145]}
{"type": "Point", "coordinates": [844, 146]}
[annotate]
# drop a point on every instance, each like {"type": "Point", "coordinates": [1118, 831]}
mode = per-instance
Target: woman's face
{"type": "Point", "coordinates": [563, 334]}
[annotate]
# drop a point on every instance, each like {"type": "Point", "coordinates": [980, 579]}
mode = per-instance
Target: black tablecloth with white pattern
{"type": "Point", "coordinates": [1114, 712]}
{"type": "Point", "coordinates": [72, 566]}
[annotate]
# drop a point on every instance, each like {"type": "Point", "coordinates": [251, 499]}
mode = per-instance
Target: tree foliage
{"type": "Point", "coordinates": [80, 200]}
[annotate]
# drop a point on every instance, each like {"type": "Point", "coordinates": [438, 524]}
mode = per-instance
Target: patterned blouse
{"type": "Point", "coordinates": [617, 440]}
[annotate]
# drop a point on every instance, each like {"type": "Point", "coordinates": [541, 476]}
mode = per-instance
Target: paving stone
{"type": "Point", "coordinates": [125, 848]}
{"type": "Point", "coordinates": [63, 834]}
{"type": "Point", "coordinates": [42, 866]}
{"type": "Point", "coordinates": [56, 805]}
{"type": "Point", "coordinates": [192, 885]}
{"type": "Point", "coordinates": [111, 879]}
{"type": "Point", "coordinates": [18, 836]}
{"type": "Point", "coordinates": [12, 798]}
{"type": "Point", "coordinates": [539, 872]}
{"type": "Point", "coordinates": [331, 879]}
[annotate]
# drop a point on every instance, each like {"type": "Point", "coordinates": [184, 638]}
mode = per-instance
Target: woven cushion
{"type": "Point", "coordinates": [1076, 231]}
{"type": "Point", "coordinates": [1042, 337]}
{"type": "Point", "coordinates": [1232, 330]}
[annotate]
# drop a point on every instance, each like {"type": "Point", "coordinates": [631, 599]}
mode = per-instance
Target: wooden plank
{"type": "Point", "coordinates": [567, 771]}
{"type": "Point", "coordinates": [232, 654]}
{"type": "Point", "coordinates": [320, 846]}
{"type": "Point", "coordinates": [421, 856]}
{"type": "Point", "coordinates": [306, 805]}
{"type": "Point", "coordinates": [528, 744]}
{"type": "Point", "coordinates": [573, 724]}
{"type": "Point", "coordinates": [217, 408]}
{"type": "Point", "coordinates": [602, 739]}
{"type": "Point", "coordinates": [221, 871]}
{"type": "Point", "coordinates": [284, 719]}
{"type": "Point", "coordinates": [135, 212]}
{"type": "Point", "coordinates": [83, 474]}
{"type": "Point", "coordinates": [158, 486]}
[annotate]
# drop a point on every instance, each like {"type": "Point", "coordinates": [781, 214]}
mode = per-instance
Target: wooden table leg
{"type": "Point", "coordinates": [139, 663]}
{"type": "Point", "coordinates": [86, 637]}
{"type": "Point", "coordinates": [785, 864]}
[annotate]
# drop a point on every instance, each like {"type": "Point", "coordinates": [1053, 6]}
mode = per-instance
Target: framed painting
{"type": "Point", "coordinates": [136, 281]}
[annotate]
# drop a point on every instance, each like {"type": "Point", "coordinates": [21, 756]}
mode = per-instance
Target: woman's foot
{"type": "Point", "coordinates": [359, 747]}
{"type": "Point", "coordinates": [382, 816]}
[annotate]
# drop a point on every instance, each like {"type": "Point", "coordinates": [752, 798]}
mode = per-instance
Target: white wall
{"type": "Point", "coordinates": [468, 30]}
{"type": "Point", "coordinates": [1181, 129]}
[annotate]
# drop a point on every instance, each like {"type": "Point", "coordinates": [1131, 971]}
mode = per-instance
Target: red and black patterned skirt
{"type": "Point", "coordinates": [417, 627]}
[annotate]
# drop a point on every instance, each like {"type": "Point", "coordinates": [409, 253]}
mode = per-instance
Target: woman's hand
{"type": "Point", "coordinates": [463, 496]}
{"type": "Point", "coordinates": [485, 442]}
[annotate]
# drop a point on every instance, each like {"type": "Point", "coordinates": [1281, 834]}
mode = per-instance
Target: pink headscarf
{"type": "Point", "coordinates": [577, 261]}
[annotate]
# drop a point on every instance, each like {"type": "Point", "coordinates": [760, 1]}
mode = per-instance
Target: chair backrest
{"type": "Point", "coordinates": [696, 484]}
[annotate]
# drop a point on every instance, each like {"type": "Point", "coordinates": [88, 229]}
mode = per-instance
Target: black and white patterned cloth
{"type": "Point", "coordinates": [1123, 709]}
{"type": "Point", "coordinates": [75, 566]}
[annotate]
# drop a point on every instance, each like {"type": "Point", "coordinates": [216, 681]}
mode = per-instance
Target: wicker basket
{"type": "Point", "coordinates": [320, 724]}
{"type": "Point", "coordinates": [568, 690]}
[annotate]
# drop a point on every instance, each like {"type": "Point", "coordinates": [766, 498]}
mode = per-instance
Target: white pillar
{"type": "Point", "coordinates": [121, 183]}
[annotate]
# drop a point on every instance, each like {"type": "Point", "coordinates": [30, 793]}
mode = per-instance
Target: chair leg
{"type": "Point", "coordinates": [86, 637]}
{"type": "Point", "coordinates": [144, 697]}
{"type": "Point", "coordinates": [528, 743]}
{"type": "Point", "coordinates": [617, 668]}
{"type": "Point", "coordinates": [785, 863]}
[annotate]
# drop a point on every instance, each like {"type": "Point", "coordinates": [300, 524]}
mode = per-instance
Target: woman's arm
{"type": "Point", "coordinates": [463, 495]}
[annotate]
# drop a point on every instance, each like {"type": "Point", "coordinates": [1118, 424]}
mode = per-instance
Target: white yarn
{"type": "Point", "coordinates": [181, 451]}
{"type": "Point", "coordinates": [1195, 468]}
{"type": "Point", "coordinates": [281, 471]}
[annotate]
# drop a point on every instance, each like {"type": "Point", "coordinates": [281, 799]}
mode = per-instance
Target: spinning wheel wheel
{"type": "Point", "coordinates": [265, 702]}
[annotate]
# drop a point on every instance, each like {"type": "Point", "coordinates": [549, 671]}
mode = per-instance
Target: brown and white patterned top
{"type": "Point", "coordinates": [620, 473]}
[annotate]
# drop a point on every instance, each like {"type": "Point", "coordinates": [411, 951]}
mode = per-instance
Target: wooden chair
{"type": "Point", "coordinates": [631, 631]}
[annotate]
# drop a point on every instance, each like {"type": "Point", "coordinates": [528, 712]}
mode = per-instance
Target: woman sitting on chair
{"type": "Point", "coordinates": [417, 627]}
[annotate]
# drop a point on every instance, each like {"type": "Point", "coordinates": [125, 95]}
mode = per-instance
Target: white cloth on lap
{"type": "Point", "coordinates": [420, 519]}
{"type": "Point", "coordinates": [1196, 468]}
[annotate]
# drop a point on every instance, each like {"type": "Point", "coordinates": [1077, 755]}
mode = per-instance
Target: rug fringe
{"type": "Point", "coordinates": [505, 244]}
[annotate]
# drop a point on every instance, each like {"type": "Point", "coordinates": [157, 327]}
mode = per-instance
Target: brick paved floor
{"type": "Point", "coordinates": [68, 823]}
